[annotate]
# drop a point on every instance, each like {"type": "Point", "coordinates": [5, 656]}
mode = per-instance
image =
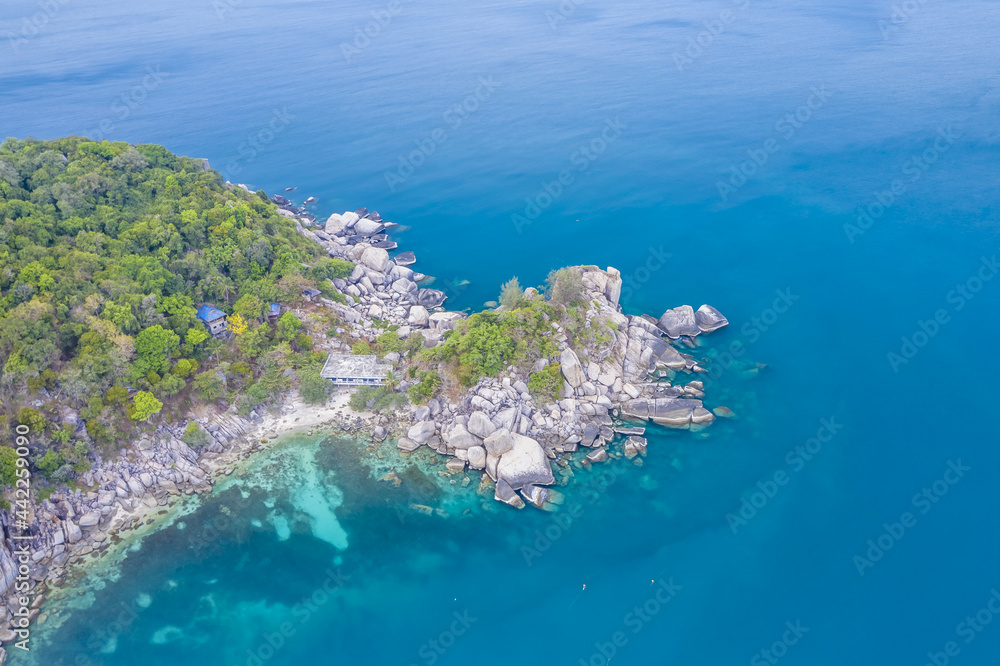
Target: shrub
{"type": "Point", "coordinates": [361, 348]}
{"type": "Point", "coordinates": [426, 388]}
{"type": "Point", "coordinates": [194, 435]}
{"type": "Point", "coordinates": [546, 384]}
{"type": "Point", "coordinates": [27, 416]}
{"type": "Point", "coordinates": [49, 463]}
{"type": "Point", "coordinates": [389, 342]}
{"type": "Point", "coordinates": [376, 399]}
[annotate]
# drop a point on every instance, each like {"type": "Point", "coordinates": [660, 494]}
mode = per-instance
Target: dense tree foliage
{"type": "Point", "coordinates": [106, 251]}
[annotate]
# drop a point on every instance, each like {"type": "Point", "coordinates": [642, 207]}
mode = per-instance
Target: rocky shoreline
{"type": "Point", "coordinates": [497, 429]}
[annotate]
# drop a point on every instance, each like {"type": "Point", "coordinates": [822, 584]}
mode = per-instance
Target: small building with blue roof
{"type": "Point", "coordinates": [213, 318]}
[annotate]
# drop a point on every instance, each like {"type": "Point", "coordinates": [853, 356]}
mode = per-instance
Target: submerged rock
{"type": "Point", "coordinates": [430, 298]}
{"type": "Point", "coordinates": [506, 494]}
{"type": "Point", "coordinates": [406, 258]}
{"type": "Point", "coordinates": [408, 445]}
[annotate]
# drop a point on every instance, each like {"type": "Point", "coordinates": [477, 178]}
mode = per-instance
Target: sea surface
{"type": "Point", "coordinates": [823, 172]}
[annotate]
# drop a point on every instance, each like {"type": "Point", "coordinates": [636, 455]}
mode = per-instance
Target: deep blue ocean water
{"type": "Point", "coordinates": [828, 106]}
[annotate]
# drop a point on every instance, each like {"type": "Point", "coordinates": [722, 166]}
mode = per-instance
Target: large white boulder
{"type": "Point", "coordinates": [679, 321]}
{"type": "Point", "coordinates": [480, 425]}
{"type": "Point", "coordinates": [477, 457]}
{"type": "Point", "coordinates": [459, 437]}
{"type": "Point", "coordinates": [499, 443]}
{"type": "Point", "coordinates": [421, 432]}
{"type": "Point", "coordinates": [418, 316]}
{"type": "Point", "coordinates": [613, 289]}
{"type": "Point", "coordinates": [335, 223]}
{"type": "Point", "coordinates": [376, 259]}
{"type": "Point", "coordinates": [709, 319]}
{"type": "Point", "coordinates": [571, 368]}
{"type": "Point", "coordinates": [525, 463]}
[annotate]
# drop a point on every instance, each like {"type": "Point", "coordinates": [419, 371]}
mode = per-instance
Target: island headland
{"type": "Point", "coordinates": [508, 393]}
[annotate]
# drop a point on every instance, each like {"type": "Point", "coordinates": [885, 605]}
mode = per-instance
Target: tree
{"type": "Point", "coordinates": [288, 326]}
{"type": "Point", "coordinates": [249, 307]}
{"type": "Point", "coordinates": [330, 269]}
{"type": "Point", "coordinates": [8, 466]}
{"type": "Point", "coordinates": [49, 463]}
{"type": "Point", "coordinates": [237, 324]}
{"type": "Point", "coordinates": [144, 405]}
{"type": "Point", "coordinates": [196, 335]}
{"type": "Point", "coordinates": [170, 384]}
{"type": "Point", "coordinates": [210, 385]}
{"type": "Point", "coordinates": [565, 286]}
{"type": "Point", "coordinates": [313, 388]}
{"type": "Point", "coordinates": [389, 342]}
{"type": "Point", "coordinates": [511, 294]}
{"type": "Point", "coordinates": [31, 418]}
{"type": "Point", "coordinates": [154, 347]}
{"type": "Point", "coordinates": [184, 368]}
{"type": "Point", "coordinates": [391, 380]}
{"type": "Point", "coordinates": [116, 395]}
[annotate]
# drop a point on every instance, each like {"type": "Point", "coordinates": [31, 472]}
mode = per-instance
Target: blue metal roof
{"type": "Point", "coordinates": [210, 313]}
{"type": "Point", "coordinates": [275, 308]}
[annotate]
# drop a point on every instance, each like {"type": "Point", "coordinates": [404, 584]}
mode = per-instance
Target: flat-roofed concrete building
{"type": "Point", "coordinates": [351, 370]}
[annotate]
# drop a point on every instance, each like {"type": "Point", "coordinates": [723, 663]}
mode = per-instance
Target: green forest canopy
{"type": "Point", "coordinates": [106, 250]}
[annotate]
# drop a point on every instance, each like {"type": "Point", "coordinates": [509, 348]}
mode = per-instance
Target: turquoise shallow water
{"type": "Point", "coordinates": [649, 204]}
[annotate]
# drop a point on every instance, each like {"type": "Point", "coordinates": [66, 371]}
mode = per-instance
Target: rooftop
{"type": "Point", "coordinates": [210, 313]}
{"type": "Point", "coordinates": [349, 366]}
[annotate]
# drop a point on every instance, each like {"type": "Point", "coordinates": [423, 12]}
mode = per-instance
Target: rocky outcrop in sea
{"type": "Point", "coordinates": [498, 427]}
